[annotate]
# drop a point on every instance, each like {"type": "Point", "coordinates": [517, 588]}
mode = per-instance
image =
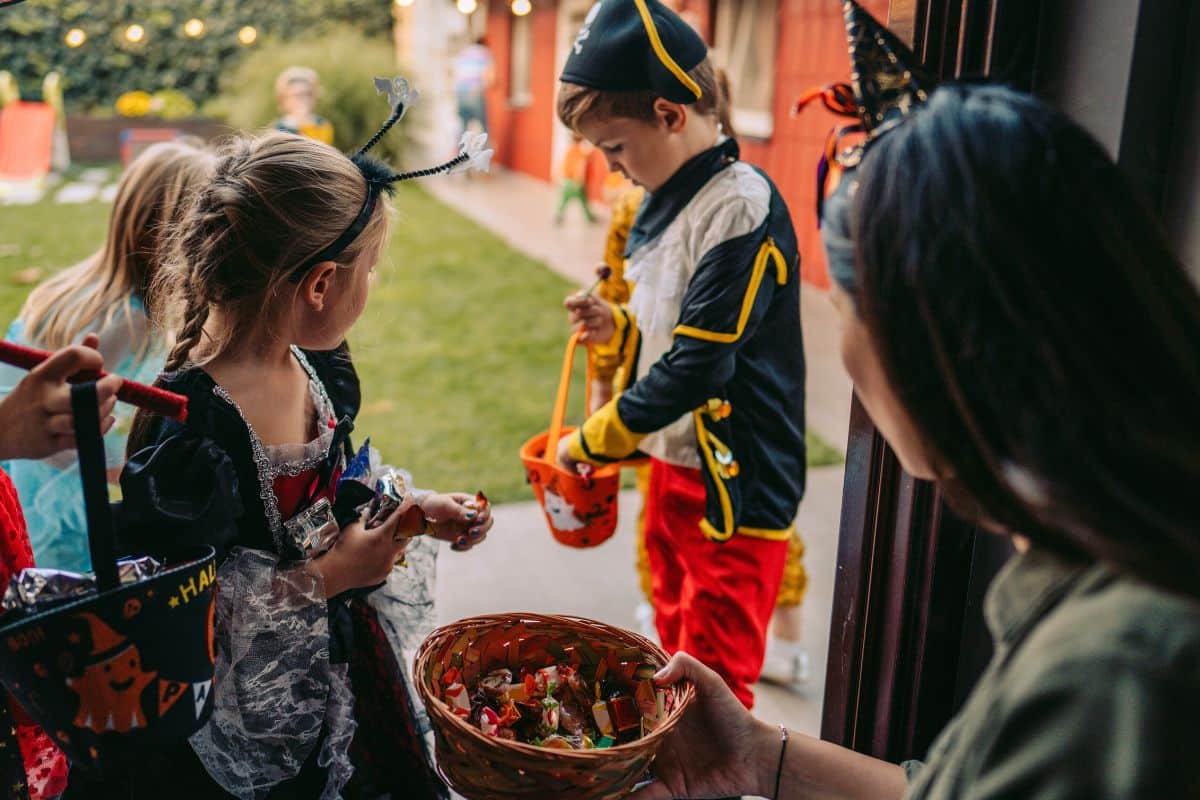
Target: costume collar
{"type": "Point", "coordinates": [1029, 586]}
{"type": "Point", "coordinates": [660, 208]}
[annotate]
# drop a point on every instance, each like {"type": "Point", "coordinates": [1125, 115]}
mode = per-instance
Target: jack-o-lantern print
{"type": "Point", "coordinates": [112, 682]}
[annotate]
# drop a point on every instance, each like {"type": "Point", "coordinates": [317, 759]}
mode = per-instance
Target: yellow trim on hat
{"type": "Point", "coordinates": [661, 51]}
{"type": "Point", "coordinates": [766, 253]}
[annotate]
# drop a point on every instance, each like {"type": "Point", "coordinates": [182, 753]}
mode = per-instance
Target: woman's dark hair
{"type": "Point", "coordinates": [1038, 329]}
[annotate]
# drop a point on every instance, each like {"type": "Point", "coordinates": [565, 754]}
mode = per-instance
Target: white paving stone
{"type": "Point", "coordinates": [22, 194]}
{"type": "Point", "coordinates": [77, 193]}
{"type": "Point", "coordinates": [96, 175]}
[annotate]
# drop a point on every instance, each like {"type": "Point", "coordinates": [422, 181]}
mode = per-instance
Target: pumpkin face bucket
{"type": "Point", "coordinates": [116, 674]}
{"type": "Point", "coordinates": [112, 676]}
{"type": "Point", "coordinates": [580, 510]}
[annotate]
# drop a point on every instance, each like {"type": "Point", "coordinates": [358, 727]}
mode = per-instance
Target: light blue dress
{"type": "Point", "coordinates": [50, 491]}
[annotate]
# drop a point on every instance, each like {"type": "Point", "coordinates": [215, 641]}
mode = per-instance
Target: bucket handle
{"type": "Point", "coordinates": [93, 473]}
{"type": "Point", "coordinates": [560, 400]}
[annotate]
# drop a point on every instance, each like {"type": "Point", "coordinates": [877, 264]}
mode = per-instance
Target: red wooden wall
{"type": "Point", "coordinates": [523, 136]}
{"type": "Point", "coordinates": [810, 51]}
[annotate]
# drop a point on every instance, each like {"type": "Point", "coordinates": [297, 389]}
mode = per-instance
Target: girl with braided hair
{"type": "Point", "coordinates": [268, 271]}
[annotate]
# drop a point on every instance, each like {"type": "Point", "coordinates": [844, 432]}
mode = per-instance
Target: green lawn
{"type": "Point", "coordinates": [459, 348]}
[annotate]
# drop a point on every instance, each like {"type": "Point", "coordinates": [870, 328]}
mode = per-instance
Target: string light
{"type": "Point", "coordinates": [247, 35]}
{"type": "Point", "coordinates": [467, 6]}
{"type": "Point", "coordinates": [521, 7]}
{"type": "Point", "coordinates": [194, 28]}
{"type": "Point", "coordinates": [135, 33]}
{"type": "Point", "coordinates": [75, 37]}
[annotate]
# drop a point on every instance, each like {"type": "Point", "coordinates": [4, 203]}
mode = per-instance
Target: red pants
{"type": "Point", "coordinates": [712, 599]}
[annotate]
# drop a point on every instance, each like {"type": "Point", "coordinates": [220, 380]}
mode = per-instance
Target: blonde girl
{"type": "Point", "coordinates": [103, 294]}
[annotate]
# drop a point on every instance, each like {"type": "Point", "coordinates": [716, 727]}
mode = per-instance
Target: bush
{"type": "Point", "coordinates": [345, 60]}
{"type": "Point", "coordinates": [105, 66]}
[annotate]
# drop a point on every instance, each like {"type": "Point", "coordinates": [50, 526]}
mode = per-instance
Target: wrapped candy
{"type": "Point", "coordinates": [602, 718]}
{"type": "Point", "coordinates": [625, 717]}
{"type": "Point", "coordinates": [558, 705]}
{"type": "Point", "coordinates": [35, 589]}
{"type": "Point", "coordinates": [459, 700]}
{"type": "Point", "coordinates": [489, 722]}
{"type": "Point", "coordinates": [546, 680]}
{"type": "Point", "coordinates": [496, 684]}
{"type": "Point", "coordinates": [314, 530]}
{"type": "Point", "coordinates": [550, 714]}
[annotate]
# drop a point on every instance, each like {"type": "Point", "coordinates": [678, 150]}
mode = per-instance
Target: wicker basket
{"type": "Point", "coordinates": [483, 767]}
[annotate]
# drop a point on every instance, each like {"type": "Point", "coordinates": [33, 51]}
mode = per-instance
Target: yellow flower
{"type": "Point", "coordinates": [133, 104]}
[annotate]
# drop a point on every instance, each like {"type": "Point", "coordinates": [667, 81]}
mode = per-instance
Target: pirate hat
{"type": "Point", "coordinates": [636, 45]}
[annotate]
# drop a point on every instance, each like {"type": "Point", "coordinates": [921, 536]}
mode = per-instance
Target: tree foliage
{"type": "Point", "coordinates": [33, 41]}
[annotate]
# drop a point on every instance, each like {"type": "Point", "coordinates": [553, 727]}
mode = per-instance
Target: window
{"type": "Point", "coordinates": [520, 93]}
{"type": "Point", "coordinates": [745, 34]}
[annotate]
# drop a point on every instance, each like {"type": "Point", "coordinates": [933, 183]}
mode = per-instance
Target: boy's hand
{"type": "Point", "coordinates": [592, 316]}
{"type": "Point", "coordinates": [458, 519]}
{"type": "Point", "coordinates": [564, 455]}
{"type": "Point", "coordinates": [602, 392]}
{"type": "Point", "coordinates": [36, 420]}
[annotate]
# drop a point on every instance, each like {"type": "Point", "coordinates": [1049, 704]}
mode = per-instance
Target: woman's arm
{"type": "Point", "coordinates": [720, 749]}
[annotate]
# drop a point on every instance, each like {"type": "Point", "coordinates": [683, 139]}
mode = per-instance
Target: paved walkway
{"type": "Point", "coordinates": [523, 568]}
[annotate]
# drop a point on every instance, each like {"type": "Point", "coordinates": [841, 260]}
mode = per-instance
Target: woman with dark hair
{"type": "Point", "coordinates": [1020, 333]}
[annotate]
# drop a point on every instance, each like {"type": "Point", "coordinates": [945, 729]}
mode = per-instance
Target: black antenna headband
{"type": "Point", "coordinates": [382, 178]}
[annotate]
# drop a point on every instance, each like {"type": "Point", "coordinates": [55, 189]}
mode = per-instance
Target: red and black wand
{"type": "Point", "coordinates": [150, 398]}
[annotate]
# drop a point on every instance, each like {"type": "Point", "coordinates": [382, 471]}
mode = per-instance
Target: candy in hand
{"type": "Point", "coordinates": [602, 274]}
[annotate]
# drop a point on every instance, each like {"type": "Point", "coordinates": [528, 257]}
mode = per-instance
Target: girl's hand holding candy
{"type": "Point", "coordinates": [461, 519]}
{"type": "Point", "coordinates": [362, 557]}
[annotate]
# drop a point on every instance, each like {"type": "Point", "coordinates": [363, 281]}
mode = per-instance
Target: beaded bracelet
{"type": "Point", "coordinates": [783, 735]}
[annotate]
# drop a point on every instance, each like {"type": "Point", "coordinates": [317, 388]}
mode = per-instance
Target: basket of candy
{"type": "Point", "coordinates": [580, 508]}
{"type": "Point", "coordinates": [532, 706]}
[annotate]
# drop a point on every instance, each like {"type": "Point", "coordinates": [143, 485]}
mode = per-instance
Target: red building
{"type": "Point", "coordinates": [771, 49]}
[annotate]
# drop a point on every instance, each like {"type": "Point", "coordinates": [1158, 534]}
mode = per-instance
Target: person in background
{"type": "Point", "coordinates": [474, 73]}
{"type": "Point", "coordinates": [297, 90]}
{"type": "Point", "coordinates": [573, 179]}
{"type": "Point", "coordinates": [104, 294]}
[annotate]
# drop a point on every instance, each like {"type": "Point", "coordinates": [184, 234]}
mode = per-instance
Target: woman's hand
{"type": "Point", "coordinates": [593, 316]}
{"type": "Point", "coordinates": [36, 419]}
{"type": "Point", "coordinates": [718, 749]}
{"type": "Point", "coordinates": [361, 557]}
{"type": "Point", "coordinates": [457, 518]}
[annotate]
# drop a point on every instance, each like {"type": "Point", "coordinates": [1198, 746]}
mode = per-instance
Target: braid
{"type": "Point", "coordinates": [192, 331]}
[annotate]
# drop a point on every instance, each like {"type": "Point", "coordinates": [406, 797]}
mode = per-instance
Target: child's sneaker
{"type": "Point", "coordinates": [786, 664]}
{"type": "Point", "coordinates": [644, 617]}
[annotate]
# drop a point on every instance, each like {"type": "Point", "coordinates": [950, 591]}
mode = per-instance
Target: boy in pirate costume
{"type": "Point", "coordinates": [709, 342]}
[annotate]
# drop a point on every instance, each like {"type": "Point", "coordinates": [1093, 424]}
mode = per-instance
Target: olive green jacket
{"type": "Point", "coordinates": [1093, 692]}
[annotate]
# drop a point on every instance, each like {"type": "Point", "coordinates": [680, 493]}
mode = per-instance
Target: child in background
{"type": "Point", "coordinates": [103, 294]}
{"type": "Point", "coordinates": [36, 423]}
{"type": "Point", "coordinates": [574, 179]}
{"type": "Point", "coordinates": [709, 342]}
{"type": "Point", "coordinates": [297, 90]}
{"type": "Point", "coordinates": [263, 285]}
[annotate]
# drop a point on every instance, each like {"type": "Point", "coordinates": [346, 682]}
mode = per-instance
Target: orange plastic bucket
{"type": "Point", "coordinates": [581, 510]}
